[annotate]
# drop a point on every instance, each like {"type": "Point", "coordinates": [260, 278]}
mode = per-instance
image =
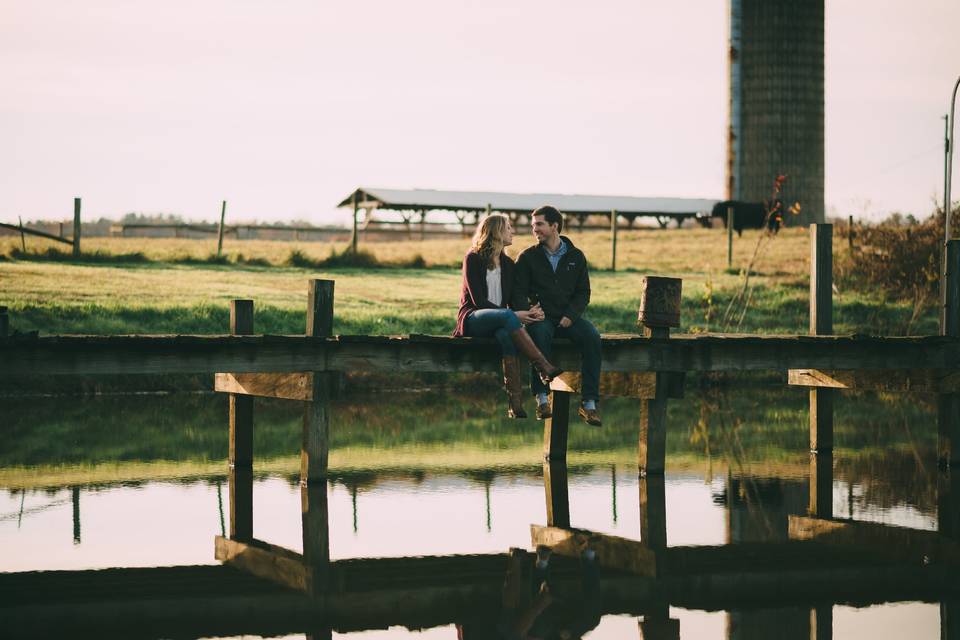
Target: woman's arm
{"type": "Point", "coordinates": [475, 281]}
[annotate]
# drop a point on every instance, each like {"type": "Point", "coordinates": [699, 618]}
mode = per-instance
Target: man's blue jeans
{"type": "Point", "coordinates": [583, 334]}
{"type": "Point", "coordinates": [498, 323]}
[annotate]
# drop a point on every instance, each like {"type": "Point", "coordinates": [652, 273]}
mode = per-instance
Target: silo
{"type": "Point", "coordinates": [776, 103]}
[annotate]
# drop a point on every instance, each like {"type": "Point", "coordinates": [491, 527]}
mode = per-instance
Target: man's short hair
{"type": "Point", "coordinates": [550, 214]}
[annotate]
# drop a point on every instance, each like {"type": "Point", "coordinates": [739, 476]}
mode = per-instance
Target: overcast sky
{"type": "Point", "coordinates": [282, 108]}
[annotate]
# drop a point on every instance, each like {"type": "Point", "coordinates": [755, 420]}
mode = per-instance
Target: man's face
{"type": "Point", "coordinates": [543, 231]}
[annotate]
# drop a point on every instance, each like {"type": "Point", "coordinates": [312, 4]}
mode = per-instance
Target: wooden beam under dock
{"type": "Point", "coordinates": [89, 355]}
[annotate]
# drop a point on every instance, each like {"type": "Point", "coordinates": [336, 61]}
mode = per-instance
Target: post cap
{"type": "Point", "coordinates": [660, 301]}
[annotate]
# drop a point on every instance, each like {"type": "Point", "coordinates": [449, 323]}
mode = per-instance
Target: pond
{"type": "Point", "coordinates": [117, 512]}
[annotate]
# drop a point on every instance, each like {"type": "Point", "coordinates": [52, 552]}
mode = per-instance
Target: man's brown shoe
{"type": "Point", "coordinates": [590, 416]}
{"type": "Point", "coordinates": [544, 411]}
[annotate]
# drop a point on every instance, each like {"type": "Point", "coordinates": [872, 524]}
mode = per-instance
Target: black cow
{"type": "Point", "coordinates": [747, 215]}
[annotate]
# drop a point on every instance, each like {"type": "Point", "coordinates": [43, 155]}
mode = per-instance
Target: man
{"type": "Point", "coordinates": [554, 274]}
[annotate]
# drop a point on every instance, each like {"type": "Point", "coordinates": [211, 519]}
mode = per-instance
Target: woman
{"type": "Point", "coordinates": [484, 296]}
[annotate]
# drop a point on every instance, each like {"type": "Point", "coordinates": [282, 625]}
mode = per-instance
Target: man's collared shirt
{"type": "Point", "coordinates": [554, 258]}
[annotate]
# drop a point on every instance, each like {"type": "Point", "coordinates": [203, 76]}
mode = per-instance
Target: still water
{"type": "Point", "coordinates": [141, 481]}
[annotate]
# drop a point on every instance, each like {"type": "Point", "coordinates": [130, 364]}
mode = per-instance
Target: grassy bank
{"type": "Point", "coordinates": [156, 295]}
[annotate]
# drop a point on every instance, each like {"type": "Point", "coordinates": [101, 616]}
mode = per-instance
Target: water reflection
{"type": "Point", "coordinates": [401, 536]}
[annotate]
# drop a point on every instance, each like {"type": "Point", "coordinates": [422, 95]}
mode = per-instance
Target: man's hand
{"type": "Point", "coordinates": [565, 322]}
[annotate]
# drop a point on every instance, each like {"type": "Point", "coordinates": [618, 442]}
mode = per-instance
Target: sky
{"type": "Point", "coordinates": [283, 108]}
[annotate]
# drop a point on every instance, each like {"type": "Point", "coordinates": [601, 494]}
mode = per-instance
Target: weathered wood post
{"type": "Point", "coordinates": [353, 236]}
{"type": "Point", "coordinates": [613, 240]}
{"type": "Point", "coordinates": [821, 399]}
{"type": "Point", "coordinates": [948, 504]}
{"type": "Point", "coordinates": [316, 419]}
{"type": "Point", "coordinates": [223, 214]}
{"type": "Point", "coordinates": [241, 438]}
{"type": "Point", "coordinates": [729, 237]}
{"type": "Point", "coordinates": [4, 322]}
{"type": "Point", "coordinates": [821, 622]}
{"type": "Point", "coordinates": [659, 310]}
{"type": "Point", "coordinates": [76, 227]}
{"type": "Point", "coordinates": [653, 511]}
{"type": "Point", "coordinates": [556, 427]}
{"type": "Point", "coordinates": [850, 234]}
{"type": "Point", "coordinates": [315, 520]}
{"type": "Point", "coordinates": [555, 490]}
{"type": "Point", "coordinates": [75, 500]}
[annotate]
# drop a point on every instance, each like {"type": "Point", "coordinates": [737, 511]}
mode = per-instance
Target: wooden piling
{"type": "Point", "coordinates": [241, 503]}
{"type": "Point", "coordinates": [821, 323]}
{"type": "Point", "coordinates": [821, 484]}
{"type": "Point", "coordinates": [4, 322]}
{"type": "Point", "coordinates": [241, 406]}
{"type": "Point", "coordinates": [316, 535]}
{"type": "Point", "coordinates": [948, 504]}
{"type": "Point", "coordinates": [315, 448]}
{"type": "Point", "coordinates": [556, 492]}
{"type": "Point", "coordinates": [659, 310]}
{"type": "Point", "coordinates": [76, 227]}
{"type": "Point", "coordinates": [556, 427]}
{"type": "Point", "coordinates": [613, 240]}
{"type": "Point", "coordinates": [950, 320]}
{"type": "Point", "coordinates": [821, 622]}
{"type": "Point", "coordinates": [850, 234]}
{"type": "Point", "coordinates": [23, 238]}
{"type": "Point", "coordinates": [653, 511]}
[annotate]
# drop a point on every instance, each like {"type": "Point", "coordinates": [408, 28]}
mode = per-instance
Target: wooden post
{"type": "Point", "coordinates": [949, 618]}
{"type": "Point", "coordinates": [555, 428]}
{"type": "Point", "coordinates": [821, 323]}
{"type": "Point", "coordinates": [23, 239]}
{"type": "Point", "coordinates": [76, 227]}
{"type": "Point", "coordinates": [948, 429]}
{"type": "Point", "coordinates": [659, 626]}
{"type": "Point", "coordinates": [659, 310]}
{"type": "Point", "coordinates": [821, 279]}
{"type": "Point", "coordinates": [241, 503]}
{"type": "Point", "coordinates": [613, 240]}
{"type": "Point", "coordinates": [75, 500]}
{"type": "Point", "coordinates": [315, 447]}
{"type": "Point", "coordinates": [948, 504]}
{"type": "Point", "coordinates": [821, 622]}
{"type": "Point", "coordinates": [729, 237]}
{"type": "Point", "coordinates": [61, 230]}
{"type": "Point", "coordinates": [223, 214]}
{"type": "Point", "coordinates": [653, 512]}
{"type": "Point", "coordinates": [4, 322]}
{"type": "Point", "coordinates": [950, 319]}
{"type": "Point", "coordinates": [850, 234]}
{"type": "Point", "coordinates": [821, 484]}
{"type": "Point", "coordinates": [315, 521]}
{"type": "Point", "coordinates": [556, 492]}
{"type": "Point", "coordinates": [241, 406]}
{"type": "Point", "coordinates": [353, 237]}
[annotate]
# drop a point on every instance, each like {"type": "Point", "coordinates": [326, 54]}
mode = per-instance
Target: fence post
{"type": "Point", "coordinates": [315, 447]}
{"type": "Point", "coordinates": [241, 437]}
{"type": "Point", "coordinates": [223, 213]}
{"type": "Point", "coordinates": [821, 400]}
{"type": "Point", "coordinates": [613, 240]}
{"type": "Point", "coordinates": [850, 233]}
{"type": "Point", "coordinates": [23, 239]}
{"type": "Point", "coordinates": [659, 310]}
{"type": "Point", "coordinates": [4, 322]}
{"type": "Point", "coordinates": [76, 227]}
{"type": "Point", "coordinates": [730, 237]}
{"type": "Point", "coordinates": [353, 237]}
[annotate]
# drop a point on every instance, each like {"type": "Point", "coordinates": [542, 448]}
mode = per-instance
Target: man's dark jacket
{"type": "Point", "coordinates": [565, 292]}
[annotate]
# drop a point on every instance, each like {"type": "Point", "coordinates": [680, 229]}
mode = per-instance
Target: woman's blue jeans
{"type": "Point", "coordinates": [499, 323]}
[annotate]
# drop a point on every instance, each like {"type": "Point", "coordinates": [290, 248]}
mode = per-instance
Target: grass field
{"type": "Point", "coordinates": [170, 287]}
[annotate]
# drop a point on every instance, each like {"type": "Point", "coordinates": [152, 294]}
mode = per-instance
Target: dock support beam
{"type": "Point", "coordinates": [659, 311]}
{"type": "Point", "coordinates": [821, 399]}
{"type": "Point", "coordinates": [315, 449]}
{"type": "Point", "coordinates": [948, 404]}
{"type": "Point", "coordinates": [241, 406]}
{"type": "Point", "coordinates": [653, 512]}
{"type": "Point", "coordinates": [555, 489]}
{"type": "Point", "coordinates": [556, 427]}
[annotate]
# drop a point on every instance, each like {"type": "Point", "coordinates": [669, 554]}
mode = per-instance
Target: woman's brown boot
{"type": "Point", "coordinates": [511, 380]}
{"type": "Point", "coordinates": [524, 343]}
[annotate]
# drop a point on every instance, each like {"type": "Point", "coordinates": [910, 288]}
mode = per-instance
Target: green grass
{"type": "Point", "coordinates": [176, 286]}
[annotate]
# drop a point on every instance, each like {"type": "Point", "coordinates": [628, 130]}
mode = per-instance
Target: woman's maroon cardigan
{"type": "Point", "coordinates": [473, 291]}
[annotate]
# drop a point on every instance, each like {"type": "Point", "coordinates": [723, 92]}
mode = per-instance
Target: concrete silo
{"type": "Point", "coordinates": [776, 103]}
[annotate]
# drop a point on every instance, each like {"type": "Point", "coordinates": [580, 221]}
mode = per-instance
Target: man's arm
{"type": "Point", "coordinates": [581, 295]}
{"type": "Point", "coordinates": [521, 285]}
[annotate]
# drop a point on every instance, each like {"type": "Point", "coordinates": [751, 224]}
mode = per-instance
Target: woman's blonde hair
{"type": "Point", "coordinates": [488, 238]}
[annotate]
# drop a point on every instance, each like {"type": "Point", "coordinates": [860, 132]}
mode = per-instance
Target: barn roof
{"type": "Point", "coordinates": [432, 199]}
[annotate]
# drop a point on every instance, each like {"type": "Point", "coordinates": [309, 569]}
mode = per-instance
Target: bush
{"type": "Point", "coordinates": [900, 257]}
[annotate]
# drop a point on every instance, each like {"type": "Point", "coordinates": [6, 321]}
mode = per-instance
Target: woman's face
{"type": "Point", "coordinates": [507, 236]}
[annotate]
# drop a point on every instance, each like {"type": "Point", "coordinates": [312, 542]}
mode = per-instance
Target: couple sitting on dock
{"type": "Point", "coordinates": [525, 305]}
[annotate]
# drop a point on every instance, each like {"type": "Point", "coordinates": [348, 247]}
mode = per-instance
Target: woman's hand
{"type": "Point", "coordinates": [534, 314]}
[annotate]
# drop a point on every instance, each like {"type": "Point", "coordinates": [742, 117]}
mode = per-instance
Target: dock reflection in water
{"type": "Point", "coordinates": [375, 547]}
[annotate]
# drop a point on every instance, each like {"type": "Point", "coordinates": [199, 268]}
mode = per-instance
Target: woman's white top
{"type": "Point", "coordinates": [494, 292]}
